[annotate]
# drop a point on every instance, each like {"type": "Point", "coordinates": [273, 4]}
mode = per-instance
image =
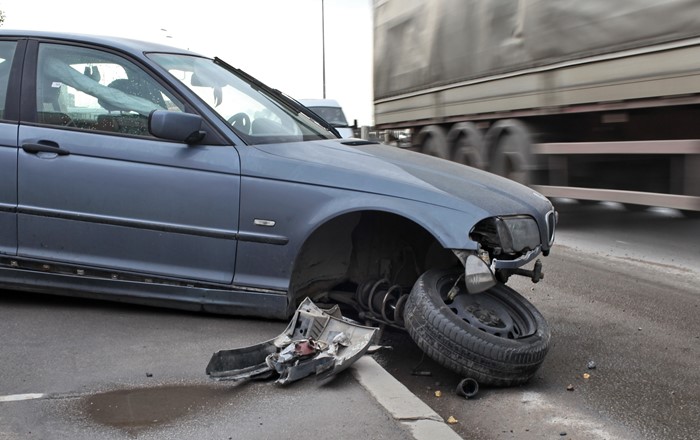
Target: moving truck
{"type": "Point", "coordinates": [591, 100]}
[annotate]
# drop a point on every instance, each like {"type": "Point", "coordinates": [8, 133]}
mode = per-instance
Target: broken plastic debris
{"type": "Point", "coordinates": [375, 348]}
{"type": "Point", "coordinates": [451, 420]}
{"type": "Point", "coordinates": [586, 376]}
{"type": "Point", "coordinates": [591, 365]}
{"type": "Point", "coordinates": [315, 342]}
{"type": "Point", "coordinates": [438, 393]}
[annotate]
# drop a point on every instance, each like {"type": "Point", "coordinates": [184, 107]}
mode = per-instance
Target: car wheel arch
{"type": "Point", "coordinates": [358, 244]}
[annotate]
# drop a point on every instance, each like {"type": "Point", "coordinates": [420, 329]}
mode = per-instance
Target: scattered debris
{"type": "Point", "coordinates": [375, 348]}
{"type": "Point", "coordinates": [467, 388]}
{"type": "Point", "coordinates": [438, 393]}
{"type": "Point", "coordinates": [591, 365]}
{"type": "Point", "coordinates": [315, 342]}
{"type": "Point", "coordinates": [570, 387]}
{"type": "Point", "coordinates": [451, 420]}
{"type": "Point", "coordinates": [586, 376]}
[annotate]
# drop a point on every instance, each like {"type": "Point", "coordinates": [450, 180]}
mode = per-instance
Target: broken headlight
{"type": "Point", "coordinates": [503, 236]}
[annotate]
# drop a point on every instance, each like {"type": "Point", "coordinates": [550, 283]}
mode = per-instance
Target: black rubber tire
{"type": "Point", "coordinates": [468, 145]}
{"type": "Point", "coordinates": [433, 142]}
{"type": "Point", "coordinates": [510, 149]}
{"type": "Point", "coordinates": [465, 349]}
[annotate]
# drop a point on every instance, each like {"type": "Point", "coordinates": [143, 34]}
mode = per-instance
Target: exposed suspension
{"type": "Point", "coordinates": [381, 301]}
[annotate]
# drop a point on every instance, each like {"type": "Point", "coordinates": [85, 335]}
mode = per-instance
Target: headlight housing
{"type": "Point", "coordinates": [507, 236]}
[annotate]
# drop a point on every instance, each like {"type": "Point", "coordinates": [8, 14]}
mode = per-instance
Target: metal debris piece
{"type": "Point", "coordinates": [315, 342]}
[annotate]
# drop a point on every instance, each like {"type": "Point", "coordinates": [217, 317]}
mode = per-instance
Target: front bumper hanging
{"type": "Point", "coordinates": [315, 342]}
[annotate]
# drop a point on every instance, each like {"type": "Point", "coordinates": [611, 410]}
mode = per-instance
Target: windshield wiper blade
{"type": "Point", "coordinates": [286, 99]}
{"type": "Point", "coordinates": [359, 142]}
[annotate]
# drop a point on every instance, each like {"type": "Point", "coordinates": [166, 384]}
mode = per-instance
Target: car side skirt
{"type": "Point", "coordinates": [234, 300]}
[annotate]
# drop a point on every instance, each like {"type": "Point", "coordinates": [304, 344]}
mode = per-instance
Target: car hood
{"type": "Point", "coordinates": [374, 168]}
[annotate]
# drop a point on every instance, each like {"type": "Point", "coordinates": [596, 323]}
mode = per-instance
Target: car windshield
{"type": "Point", "coordinates": [334, 115]}
{"type": "Point", "coordinates": [257, 116]}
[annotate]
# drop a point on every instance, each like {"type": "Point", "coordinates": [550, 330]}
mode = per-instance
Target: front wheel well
{"type": "Point", "coordinates": [360, 246]}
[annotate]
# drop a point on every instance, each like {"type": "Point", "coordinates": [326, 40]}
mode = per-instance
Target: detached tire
{"type": "Point", "coordinates": [497, 337]}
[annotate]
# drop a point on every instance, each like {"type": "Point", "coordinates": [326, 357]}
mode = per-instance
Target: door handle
{"type": "Point", "coordinates": [43, 148]}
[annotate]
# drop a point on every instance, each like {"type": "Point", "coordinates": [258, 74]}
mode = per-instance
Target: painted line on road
{"type": "Point", "coordinates": [18, 397]}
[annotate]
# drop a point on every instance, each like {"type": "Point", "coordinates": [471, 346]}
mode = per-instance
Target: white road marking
{"type": "Point", "coordinates": [17, 397]}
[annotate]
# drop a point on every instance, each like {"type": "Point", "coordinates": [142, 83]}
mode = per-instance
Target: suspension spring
{"type": "Point", "coordinates": [382, 301]}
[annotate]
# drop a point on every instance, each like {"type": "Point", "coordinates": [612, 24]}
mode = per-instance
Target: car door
{"type": "Point", "coordinates": [96, 190]}
{"type": "Point", "coordinates": [8, 154]}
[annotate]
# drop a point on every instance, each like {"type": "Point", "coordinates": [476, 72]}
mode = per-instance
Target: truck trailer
{"type": "Point", "coordinates": [594, 100]}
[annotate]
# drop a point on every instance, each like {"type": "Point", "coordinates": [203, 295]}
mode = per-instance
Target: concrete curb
{"type": "Point", "coordinates": [400, 403]}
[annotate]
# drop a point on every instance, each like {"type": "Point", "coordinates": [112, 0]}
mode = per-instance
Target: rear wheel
{"type": "Point", "coordinates": [496, 337]}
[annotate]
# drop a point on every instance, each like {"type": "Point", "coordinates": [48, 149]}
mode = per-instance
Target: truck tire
{"type": "Point", "coordinates": [510, 150]}
{"type": "Point", "coordinates": [433, 142]}
{"type": "Point", "coordinates": [468, 145]}
{"type": "Point", "coordinates": [497, 337]}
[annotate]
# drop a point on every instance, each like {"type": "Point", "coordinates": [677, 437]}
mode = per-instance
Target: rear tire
{"type": "Point", "coordinates": [467, 339]}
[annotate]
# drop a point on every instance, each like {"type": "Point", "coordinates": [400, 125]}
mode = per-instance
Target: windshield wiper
{"type": "Point", "coordinates": [288, 100]}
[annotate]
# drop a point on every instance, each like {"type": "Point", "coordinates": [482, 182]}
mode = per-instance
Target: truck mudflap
{"type": "Point", "coordinates": [315, 342]}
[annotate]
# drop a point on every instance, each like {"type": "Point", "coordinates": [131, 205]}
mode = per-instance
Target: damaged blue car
{"type": "Point", "coordinates": [137, 172]}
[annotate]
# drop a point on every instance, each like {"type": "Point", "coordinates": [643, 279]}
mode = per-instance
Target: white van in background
{"type": "Point", "coordinates": [332, 112]}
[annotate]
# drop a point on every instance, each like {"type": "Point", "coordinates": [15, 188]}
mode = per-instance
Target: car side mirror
{"type": "Point", "coordinates": [176, 126]}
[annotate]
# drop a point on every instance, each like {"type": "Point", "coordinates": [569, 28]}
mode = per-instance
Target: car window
{"type": "Point", "coordinates": [256, 116]}
{"type": "Point", "coordinates": [90, 89]}
{"type": "Point", "coordinates": [7, 51]}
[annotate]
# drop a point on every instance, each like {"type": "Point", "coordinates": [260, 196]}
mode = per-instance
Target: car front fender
{"type": "Point", "coordinates": [277, 217]}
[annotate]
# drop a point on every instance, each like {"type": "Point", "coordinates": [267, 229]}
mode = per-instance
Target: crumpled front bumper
{"type": "Point", "coordinates": [315, 342]}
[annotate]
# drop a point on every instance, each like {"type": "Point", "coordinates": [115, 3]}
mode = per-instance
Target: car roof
{"type": "Point", "coordinates": [121, 43]}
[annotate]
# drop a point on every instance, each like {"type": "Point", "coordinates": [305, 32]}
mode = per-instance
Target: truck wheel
{"type": "Point", "coordinates": [510, 150]}
{"type": "Point", "coordinates": [468, 145]}
{"type": "Point", "coordinates": [497, 337]}
{"type": "Point", "coordinates": [433, 141]}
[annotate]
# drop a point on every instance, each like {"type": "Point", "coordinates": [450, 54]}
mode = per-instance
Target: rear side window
{"type": "Point", "coordinates": [90, 89]}
{"type": "Point", "coordinates": [7, 52]}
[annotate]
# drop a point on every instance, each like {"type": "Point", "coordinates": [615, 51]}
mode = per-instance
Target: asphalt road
{"type": "Point", "coordinates": [622, 290]}
{"type": "Point", "coordinates": [84, 370]}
